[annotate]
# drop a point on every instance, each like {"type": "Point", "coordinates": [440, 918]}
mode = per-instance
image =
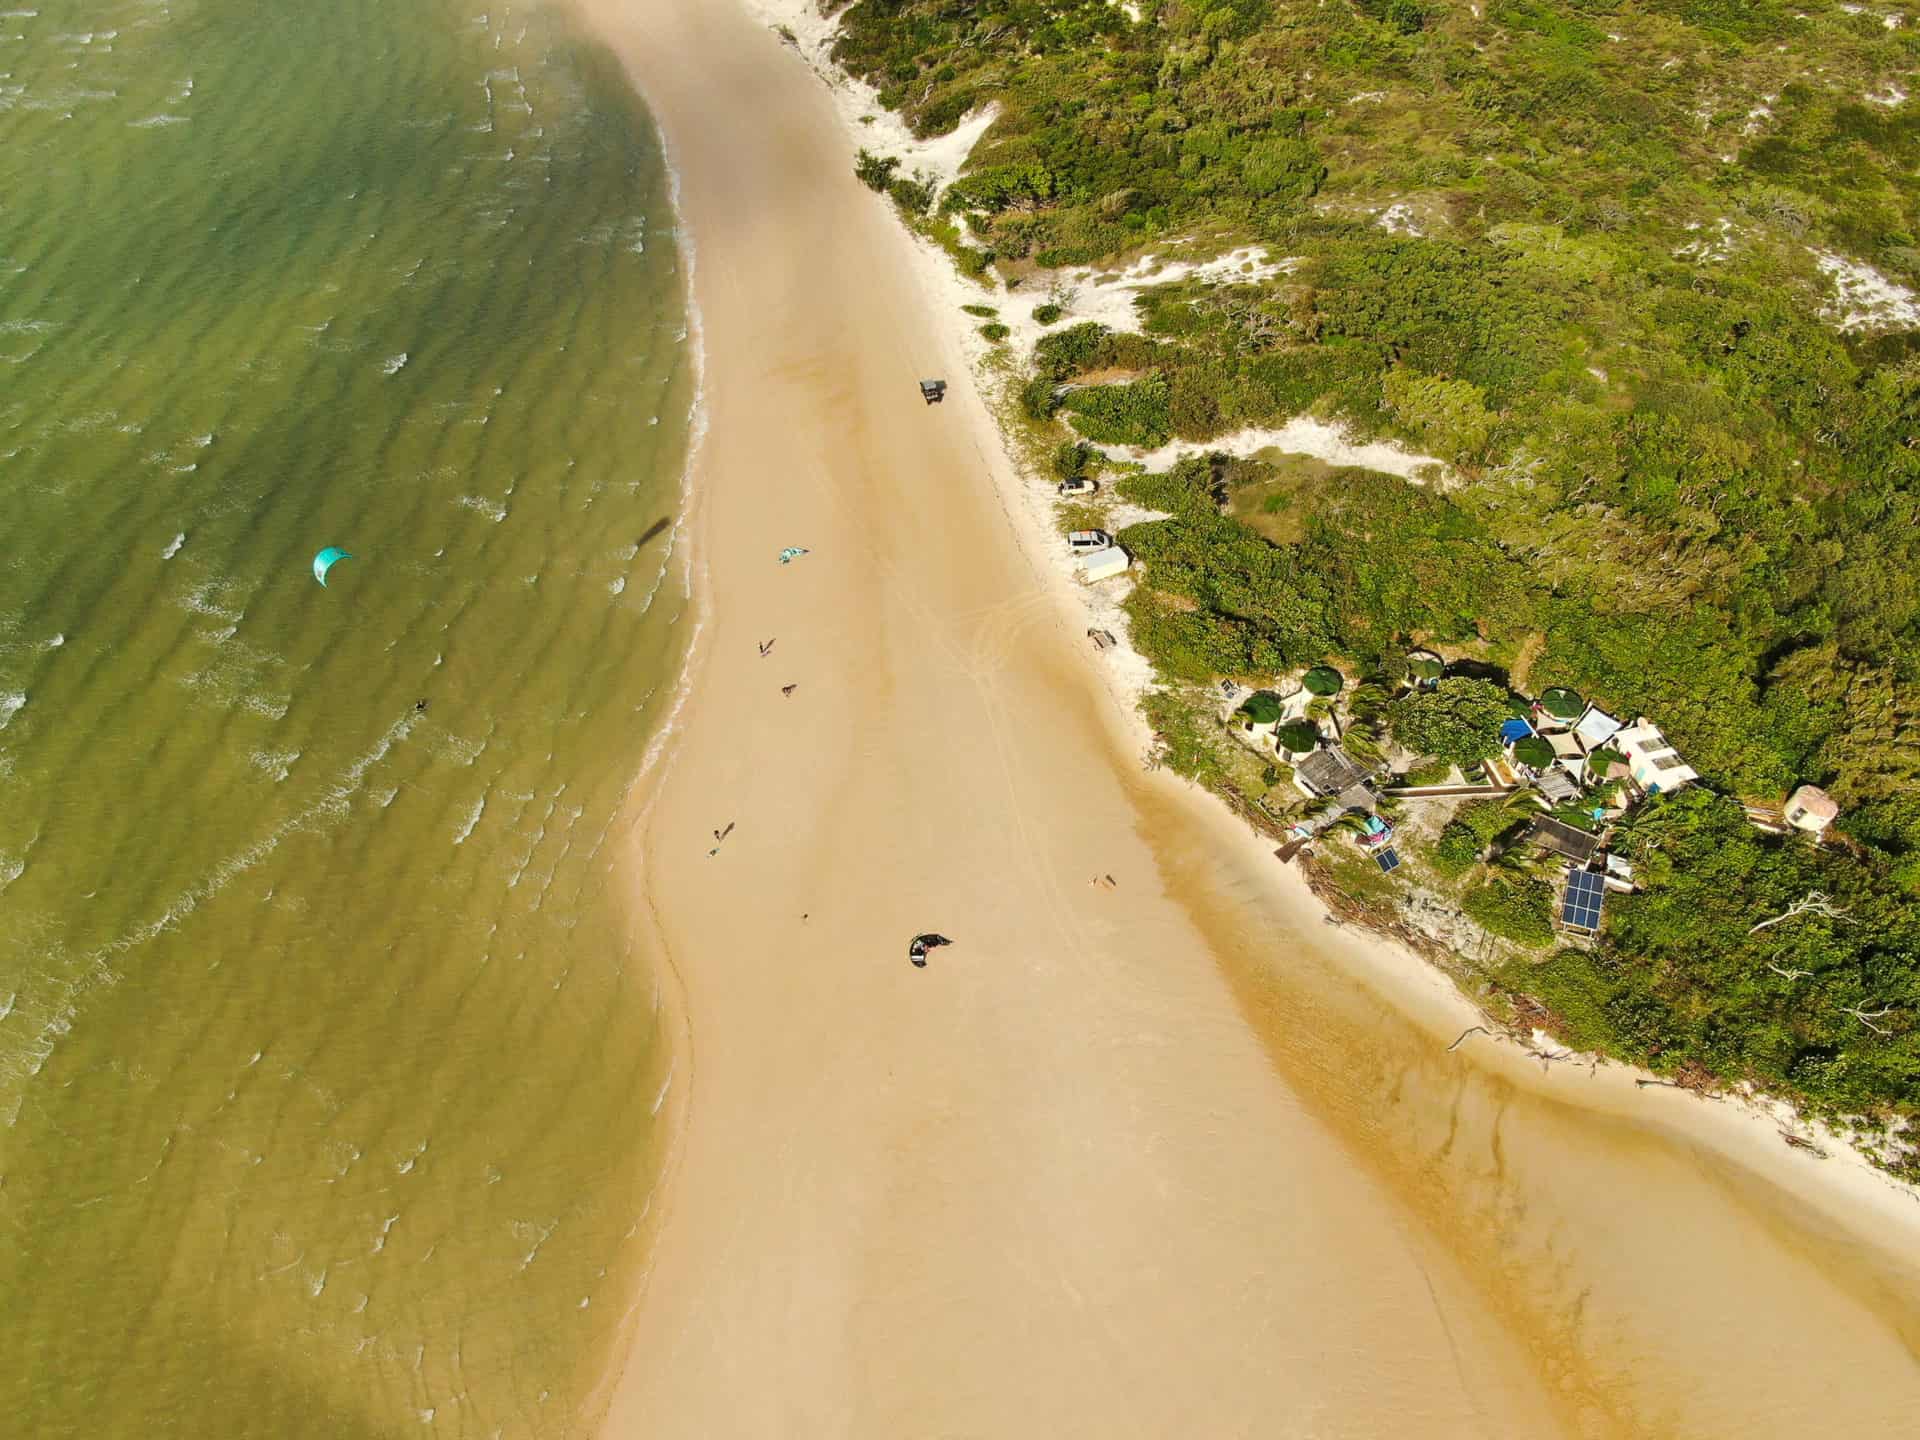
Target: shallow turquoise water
{"type": "Point", "coordinates": [326, 1060]}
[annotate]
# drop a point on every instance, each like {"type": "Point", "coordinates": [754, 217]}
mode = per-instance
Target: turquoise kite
{"type": "Point", "coordinates": [791, 554]}
{"type": "Point", "coordinates": [326, 560]}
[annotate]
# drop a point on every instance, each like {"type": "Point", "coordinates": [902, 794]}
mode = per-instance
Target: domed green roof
{"type": "Point", "coordinates": [1297, 737]}
{"type": "Point", "coordinates": [1562, 703]}
{"type": "Point", "coordinates": [1534, 750]}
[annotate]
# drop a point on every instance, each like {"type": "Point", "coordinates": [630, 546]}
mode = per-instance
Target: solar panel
{"type": "Point", "coordinates": [1387, 860]}
{"type": "Point", "coordinates": [1586, 892]}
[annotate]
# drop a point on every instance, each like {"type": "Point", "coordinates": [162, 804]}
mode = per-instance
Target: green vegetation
{"type": "Point", "coordinates": [1458, 720]}
{"type": "Point", "coordinates": [985, 312]}
{"type": "Point", "coordinates": [1434, 772]}
{"type": "Point", "coordinates": [1672, 469]}
{"type": "Point", "coordinates": [995, 331]}
{"type": "Point", "coordinates": [1467, 835]}
{"type": "Point", "coordinates": [1134, 414]}
{"type": "Point", "coordinates": [875, 171]}
{"type": "Point", "coordinates": [1824, 1003]}
{"type": "Point", "coordinates": [1516, 908]}
{"type": "Point", "coordinates": [1675, 485]}
{"type": "Point", "coordinates": [1047, 314]}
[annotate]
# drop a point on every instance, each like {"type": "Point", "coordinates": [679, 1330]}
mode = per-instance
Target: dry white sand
{"type": "Point", "coordinates": [1165, 1158]}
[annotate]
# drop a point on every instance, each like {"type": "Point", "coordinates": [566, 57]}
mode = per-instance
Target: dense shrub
{"type": "Point", "coordinates": [1458, 720]}
{"type": "Point", "coordinates": [1515, 909]}
{"type": "Point", "coordinates": [875, 171]}
{"type": "Point", "coordinates": [1133, 414]}
{"type": "Point", "coordinates": [1465, 837]}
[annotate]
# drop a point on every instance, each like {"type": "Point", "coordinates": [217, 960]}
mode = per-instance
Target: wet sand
{"type": "Point", "coordinates": [1167, 1158]}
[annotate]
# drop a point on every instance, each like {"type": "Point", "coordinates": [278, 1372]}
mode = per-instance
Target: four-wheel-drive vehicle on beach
{"type": "Point", "coordinates": [933, 391]}
{"type": "Point", "coordinates": [1078, 485]}
{"type": "Point", "coordinates": [1083, 540]}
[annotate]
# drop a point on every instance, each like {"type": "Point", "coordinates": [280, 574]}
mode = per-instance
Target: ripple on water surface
{"type": "Point", "coordinates": [325, 1054]}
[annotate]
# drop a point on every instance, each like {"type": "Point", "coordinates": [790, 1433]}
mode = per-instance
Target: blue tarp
{"type": "Point", "coordinates": [1515, 729]}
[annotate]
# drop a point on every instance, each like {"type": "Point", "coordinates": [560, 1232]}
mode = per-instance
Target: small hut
{"type": "Point", "coordinates": [1328, 772]}
{"type": "Point", "coordinates": [1811, 809]}
{"type": "Point", "coordinates": [1561, 839]}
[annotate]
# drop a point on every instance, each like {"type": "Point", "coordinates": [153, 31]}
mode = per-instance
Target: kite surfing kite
{"type": "Point", "coordinates": [326, 560]}
{"type": "Point", "coordinates": [918, 947]}
{"type": "Point", "coordinates": [791, 554]}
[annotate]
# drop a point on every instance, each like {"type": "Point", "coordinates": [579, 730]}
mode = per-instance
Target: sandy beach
{"type": "Point", "coordinates": [1169, 1156]}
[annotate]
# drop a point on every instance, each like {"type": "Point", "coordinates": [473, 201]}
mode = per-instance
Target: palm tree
{"type": "Point", "coordinates": [1367, 703]}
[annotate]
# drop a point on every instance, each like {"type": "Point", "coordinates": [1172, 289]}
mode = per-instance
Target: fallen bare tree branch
{"type": "Point", "coordinates": [1800, 1142]}
{"type": "Point", "coordinates": [1867, 1018]}
{"type": "Point", "coordinates": [1470, 1030]}
{"type": "Point", "coordinates": [1815, 902]}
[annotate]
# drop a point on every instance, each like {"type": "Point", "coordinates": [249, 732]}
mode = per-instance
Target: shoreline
{"type": "Point", "coordinates": [1128, 675]}
{"type": "Point", "coordinates": [697, 1338]}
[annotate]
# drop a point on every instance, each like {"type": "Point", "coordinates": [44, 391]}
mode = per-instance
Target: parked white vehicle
{"type": "Point", "coordinates": [1079, 485]}
{"type": "Point", "coordinates": [1081, 541]}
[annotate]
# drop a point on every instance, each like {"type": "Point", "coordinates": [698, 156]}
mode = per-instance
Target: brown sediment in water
{"type": "Point", "coordinates": [1169, 1156]}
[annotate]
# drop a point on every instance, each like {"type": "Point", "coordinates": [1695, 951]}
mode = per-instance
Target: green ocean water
{"type": "Point", "coordinates": [327, 1062]}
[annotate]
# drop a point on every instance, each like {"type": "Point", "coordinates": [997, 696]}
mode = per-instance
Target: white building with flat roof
{"type": "Point", "coordinates": [1655, 765]}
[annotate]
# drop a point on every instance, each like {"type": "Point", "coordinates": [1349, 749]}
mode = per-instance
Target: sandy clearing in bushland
{"type": "Point", "coordinates": [1169, 1158]}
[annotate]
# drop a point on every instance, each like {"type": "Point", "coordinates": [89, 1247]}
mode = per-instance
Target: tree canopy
{"type": "Point", "coordinates": [1458, 720]}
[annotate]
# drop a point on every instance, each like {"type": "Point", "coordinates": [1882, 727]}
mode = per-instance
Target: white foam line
{"type": "Point", "coordinates": [679, 537]}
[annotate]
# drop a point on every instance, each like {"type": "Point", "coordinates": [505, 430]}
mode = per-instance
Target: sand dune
{"type": "Point", "coordinates": [1156, 1159]}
